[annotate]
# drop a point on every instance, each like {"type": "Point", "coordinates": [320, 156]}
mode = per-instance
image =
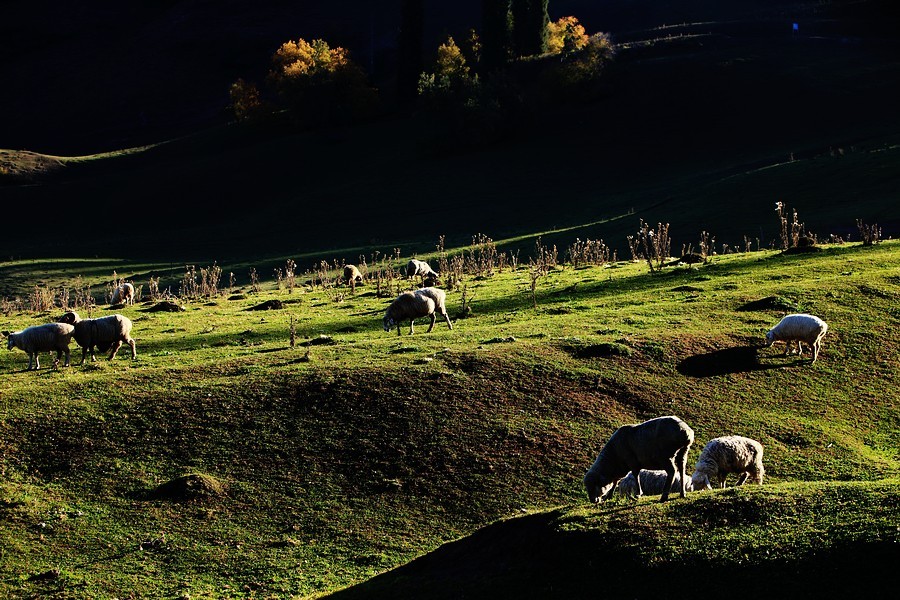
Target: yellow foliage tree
{"type": "Point", "coordinates": [451, 73]}
{"type": "Point", "coordinates": [566, 35]}
{"type": "Point", "coordinates": [319, 83]}
{"type": "Point", "coordinates": [245, 100]}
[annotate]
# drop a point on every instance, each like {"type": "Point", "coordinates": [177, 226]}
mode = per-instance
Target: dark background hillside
{"type": "Point", "coordinates": [685, 131]}
{"type": "Point", "coordinates": [79, 78]}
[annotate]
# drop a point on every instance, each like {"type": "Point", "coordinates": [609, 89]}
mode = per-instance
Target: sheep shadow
{"type": "Point", "coordinates": [739, 359]}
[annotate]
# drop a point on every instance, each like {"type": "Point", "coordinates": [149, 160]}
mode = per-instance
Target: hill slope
{"type": "Point", "coordinates": [356, 453]}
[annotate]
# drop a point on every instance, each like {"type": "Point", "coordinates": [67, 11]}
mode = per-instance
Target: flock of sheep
{"type": "Point", "coordinates": [428, 301]}
{"type": "Point", "coordinates": [651, 457]}
{"type": "Point", "coordinates": [104, 333]}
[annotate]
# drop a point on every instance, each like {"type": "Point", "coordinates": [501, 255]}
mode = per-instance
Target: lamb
{"type": "Point", "coordinates": [807, 329]}
{"type": "Point", "coordinates": [351, 273]}
{"type": "Point", "coordinates": [104, 333]}
{"type": "Point", "coordinates": [728, 454]}
{"type": "Point", "coordinates": [42, 338]}
{"type": "Point", "coordinates": [413, 305]}
{"type": "Point", "coordinates": [660, 443]}
{"type": "Point", "coordinates": [652, 483]}
{"type": "Point", "coordinates": [123, 294]}
{"type": "Point", "coordinates": [420, 268]}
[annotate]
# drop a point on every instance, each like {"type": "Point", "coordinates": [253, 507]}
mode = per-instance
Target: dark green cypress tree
{"type": "Point", "coordinates": [409, 50]}
{"type": "Point", "coordinates": [530, 19]}
{"type": "Point", "coordinates": [495, 33]}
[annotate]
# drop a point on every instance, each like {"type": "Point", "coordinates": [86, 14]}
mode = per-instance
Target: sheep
{"type": "Point", "coordinates": [413, 305]}
{"type": "Point", "coordinates": [652, 483]}
{"type": "Point", "coordinates": [42, 338]}
{"type": "Point", "coordinates": [728, 454]}
{"type": "Point", "coordinates": [660, 443]}
{"type": "Point", "coordinates": [104, 333]}
{"type": "Point", "coordinates": [421, 269]}
{"type": "Point", "coordinates": [807, 329]}
{"type": "Point", "coordinates": [352, 274]}
{"type": "Point", "coordinates": [123, 294]}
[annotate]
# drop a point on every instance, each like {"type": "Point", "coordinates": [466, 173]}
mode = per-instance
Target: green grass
{"type": "Point", "coordinates": [372, 451]}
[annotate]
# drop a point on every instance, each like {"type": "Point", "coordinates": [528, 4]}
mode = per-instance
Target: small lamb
{"type": "Point", "coordinates": [414, 305]}
{"type": "Point", "coordinates": [728, 454]}
{"type": "Point", "coordinates": [799, 328]}
{"type": "Point", "coordinates": [660, 443]}
{"type": "Point", "coordinates": [420, 268]}
{"type": "Point", "coordinates": [652, 483]}
{"type": "Point", "coordinates": [42, 338]}
{"type": "Point", "coordinates": [123, 294]}
{"type": "Point", "coordinates": [104, 333]}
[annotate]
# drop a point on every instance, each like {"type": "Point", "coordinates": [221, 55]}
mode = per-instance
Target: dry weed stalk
{"type": "Point", "coordinates": [656, 244]}
{"type": "Point", "coordinates": [588, 252]}
{"type": "Point", "coordinates": [868, 234]}
{"type": "Point", "coordinates": [254, 280]}
{"type": "Point", "coordinates": [290, 275]}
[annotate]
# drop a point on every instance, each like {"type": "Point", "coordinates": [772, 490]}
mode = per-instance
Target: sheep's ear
{"type": "Point", "coordinates": [5, 333]}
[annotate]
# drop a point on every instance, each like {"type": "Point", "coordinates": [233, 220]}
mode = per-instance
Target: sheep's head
{"type": "Point", "coordinates": [599, 487]}
{"type": "Point", "coordinates": [70, 317]}
{"type": "Point", "coordinates": [700, 482]}
{"type": "Point", "coordinates": [388, 323]}
{"type": "Point", "coordinates": [770, 339]}
{"type": "Point", "coordinates": [10, 341]}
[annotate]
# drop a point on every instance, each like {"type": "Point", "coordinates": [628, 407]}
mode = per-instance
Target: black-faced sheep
{"type": "Point", "coordinates": [799, 328]}
{"type": "Point", "coordinates": [652, 483]}
{"type": "Point", "coordinates": [725, 455]}
{"type": "Point", "coordinates": [420, 268]}
{"type": "Point", "coordinates": [352, 274]}
{"type": "Point", "coordinates": [104, 333]}
{"type": "Point", "coordinates": [48, 337]}
{"type": "Point", "coordinates": [660, 443]}
{"type": "Point", "coordinates": [414, 305]}
{"type": "Point", "coordinates": [123, 294]}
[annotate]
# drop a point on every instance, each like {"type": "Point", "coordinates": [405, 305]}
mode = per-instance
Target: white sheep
{"type": "Point", "coordinates": [660, 443]}
{"type": "Point", "coordinates": [123, 294]}
{"type": "Point", "coordinates": [725, 455]}
{"type": "Point", "coordinates": [104, 333]}
{"type": "Point", "coordinates": [420, 268]}
{"type": "Point", "coordinates": [652, 483]}
{"type": "Point", "coordinates": [424, 302]}
{"type": "Point", "coordinates": [802, 329]}
{"type": "Point", "coordinates": [48, 337]}
{"type": "Point", "coordinates": [352, 273]}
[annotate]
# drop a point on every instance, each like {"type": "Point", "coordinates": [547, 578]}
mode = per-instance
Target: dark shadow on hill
{"type": "Point", "coordinates": [739, 359]}
{"type": "Point", "coordinates": [533, 557]}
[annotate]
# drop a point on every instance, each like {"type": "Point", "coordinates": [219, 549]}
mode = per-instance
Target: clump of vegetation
{"type": "Point", "coordinates": [869, 234]}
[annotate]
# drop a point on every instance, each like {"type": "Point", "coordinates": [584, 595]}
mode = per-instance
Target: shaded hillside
{"type": "Point", "coordinates": [82, 79]}
{"type": "Point", "coordinates": [624, 551]}
{"type": "Point", "coordinates": [706, 130]}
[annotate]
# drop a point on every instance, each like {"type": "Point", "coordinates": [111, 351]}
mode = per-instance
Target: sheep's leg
{"type": "Point", "coordinates": [32, 359]}
{"type": "Point", "coordinates": [433, 319]}
{"type": "Point", "coordinates": [680, 466]}
{"type": "Point", "coordinates": [115, 349]}
{"type": "Point", "coordinates": [411, 326]}
{"type": "Point", "coordinates": [447, 318]}
{"type": "Point", "coordinates": [742, 479]}
{"type": "Point", "coordinates": [133, 348]}
{"type": "Point", "coordinates": [68, 356]}
{"type": "Point", "coordinates": [670, 478]}
{"type": "Point", "coordinates": [84, 352]}
{"type": "Point", "coordinates": [398, 328]}
{"type": "Point", "coordinates": [639, 491]}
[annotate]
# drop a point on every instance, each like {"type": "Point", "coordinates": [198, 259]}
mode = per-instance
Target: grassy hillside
{"type": "Point", "coordinates": [329, 463]}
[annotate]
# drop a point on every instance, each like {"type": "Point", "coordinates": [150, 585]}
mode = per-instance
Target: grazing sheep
{"type": "Point", "coordinates": [652, 483]}
{"type": "Point", "coordinates": [420, 268]}
{"type": "Point", "coordinates": [728, 454]}
{"type": "Point", "coordinates": [413, 305]}
{"type": "Point", "coordinates": [660, 443]}
{"type": "Point", "coordinates": [799, 328]}
{"type": "Point", "coordinates": [104, 333]}
{"type": "Point", "coordinates": [123, 294]}
{"type": "Point", "coordinates": [42, 338]}
{"type": "Point", "coordinates": [351, 273]}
